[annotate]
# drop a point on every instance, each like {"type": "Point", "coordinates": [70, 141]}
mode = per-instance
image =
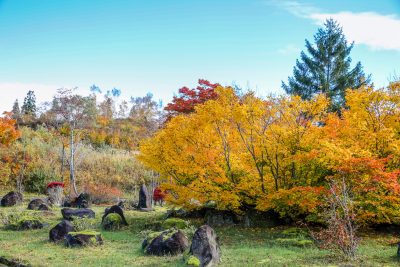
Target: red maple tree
{"type": "Point", "coordinates": [188, 98]}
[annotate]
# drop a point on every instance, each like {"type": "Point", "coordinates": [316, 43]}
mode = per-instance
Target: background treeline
{"type": "Point", "coordinates": [99, 134]}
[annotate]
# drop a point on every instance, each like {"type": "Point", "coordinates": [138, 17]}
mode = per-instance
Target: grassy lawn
{"type": "Point", "coordinates": [240, 247]}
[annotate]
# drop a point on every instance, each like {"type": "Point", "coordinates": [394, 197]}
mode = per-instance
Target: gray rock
{"type": "Point", "coordinates": [144, 198]}
{"type": "Point", "coordinates": [170, 242]}
{"type": "Point", "coordinates": [115, 209]}
{"type": "Point", "coordinates": [69, 213]}
{"type": "Point", "coordinates": [58, 232]}
{"type": "Point", "coordinates": [205, 246]}
{"type": "Point", "coordinates": [35, 203]}
{"type": "Point", "coordinates": [84, 238]}
{"type": "Point", "coordinates": [11, 199]}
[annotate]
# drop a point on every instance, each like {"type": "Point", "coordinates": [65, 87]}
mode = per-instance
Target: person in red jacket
{"type": "Point", "coordinates": [158, 196]}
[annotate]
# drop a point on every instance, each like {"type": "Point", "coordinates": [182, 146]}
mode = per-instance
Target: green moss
{"type": "Point", "coordinates": [112, 222]}
{"type": "Point", "coordinates": [295, 242]}
{"type": "Point", "coordinates": [85, 232]}
{"type": "Point", "coordinates": [293, 231]}
{"type": "Point", "coordinates": [193, 261]}
{"type": "Point", "coordinates": [174, 222]}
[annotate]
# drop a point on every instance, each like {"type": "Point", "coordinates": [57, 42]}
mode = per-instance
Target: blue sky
{"type": "Point", "coordinates": [142, 46]}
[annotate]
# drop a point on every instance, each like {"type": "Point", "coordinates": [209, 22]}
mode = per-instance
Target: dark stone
{"type": "Point", "coordinates": [254, 218]}
{"type": "Point", "coordinates": [221, 218]}
{"type": "Point", "coordinates": [169, 242]}
{"type": "Point", "coordinates": [59, 231]}
{"type": "Point", "coordinates": [30, 224]}
{"type": "Point", "coordinates": [67, 203]}
{"type": "Point", "coordinates": [43, 207]}
{"type": "Point", "coordinates": [11, 199]}
{"type": "Point", "coordinates": [144, 198]}
{"type": "Point", "coordinates": [69, 213]}
{"type": "Point", "coordinates": [12, 263]}
{"type": "Point", "coordinates": [35, 204]}
{"type": "Point", "coordinates": [115, 209]}
{"type": "Point", "coordinates": [398, 250]}
{"type": "Point", "coordinates": [205, 246]}
{"type": "Point", "coordinates": [83, 201]}
{"type": "Point", "coordinates": [85, 238]}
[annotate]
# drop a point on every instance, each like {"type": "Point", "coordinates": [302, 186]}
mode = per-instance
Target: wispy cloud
{"type": "Point", "coordinates": [288, 50]}
{"type": "Point", "coordinates": [377, 31]}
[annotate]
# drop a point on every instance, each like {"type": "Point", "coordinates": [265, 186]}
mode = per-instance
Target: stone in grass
{"type": "Point", "coordinates": [35, 203]}
{"type": "Point", "coordinates": [58, 232]}
{"type": "Point", "coordinates": [83, 238]}
{"type": "Point", "coordinates": [115, 209]}
{"type": "Point", "coordinates": [69, 213]}
{"type": "Point", "coordinates": [205, 247]}
{"type": "Point", "coordinates": [174, 222]}
{"type": "Point", "coordinates": [84, 200]}
{"type": "Point", "coordinates": [12, 262]}
{"type": "Point", "coordinates": [11, 199]}
{"type": "Point", "coordinates": [144, 199]}
{"type": "Point", "coordinates": [112, 222]}
{"type": "Point", "coordinates": [28, 223]}
{"type": "Point", "coordinates": [43, 207]}
{"type": "Point", "coordinates": [170, 242]}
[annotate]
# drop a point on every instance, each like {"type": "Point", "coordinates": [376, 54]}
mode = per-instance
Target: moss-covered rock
{"type": "Point", "coordinates": [174, 222]}
{"type": "Point", "coordinates": [295, 242]}
{"type": "Point", "coordinates": [112, 221]}
{"type": "Point", "coordinates": [26, 223]}
{"type": "Point", "coordinates": [83, 238]}
{"type": "Point", "coordinates": [170, 242]}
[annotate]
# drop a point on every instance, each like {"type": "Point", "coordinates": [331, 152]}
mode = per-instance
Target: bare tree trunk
{"type": "Point", "coordinates": [71, 163]}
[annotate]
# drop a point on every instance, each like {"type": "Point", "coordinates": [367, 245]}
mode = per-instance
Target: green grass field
{"type": "Point", "coordinates": [240, 247]}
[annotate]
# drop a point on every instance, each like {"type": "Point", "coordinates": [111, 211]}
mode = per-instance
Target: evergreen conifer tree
{"type": "Point", "coordinates": [327, 68]}
{"type": "Point", "coordinates": [29, 106]}
{"type": "Point", "coordinates": [16, 112]}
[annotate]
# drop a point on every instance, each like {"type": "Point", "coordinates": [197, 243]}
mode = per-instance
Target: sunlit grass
{"type": "Point", "coordinates": [240, 247]}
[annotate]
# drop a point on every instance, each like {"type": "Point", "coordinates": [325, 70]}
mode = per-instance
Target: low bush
{"type": "Point", "coordinates": [82, 224]}
{"type": "Point", "coordinates": [103, 194]}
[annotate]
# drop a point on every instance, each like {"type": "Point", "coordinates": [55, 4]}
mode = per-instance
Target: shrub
{"type": "Point", "coordinates": [174, 222]}
{"type": "Point", "coordinates": [103, 194]}
{"type": "Point", "coordinates": [82, 224]}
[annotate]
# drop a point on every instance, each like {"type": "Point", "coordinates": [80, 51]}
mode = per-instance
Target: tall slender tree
{"type": "Point", "coordinates": [16, 111]}
{"type": "Point", "coordinates": [29, 106]}
{"type": "Point", "coordinates": [327, 68]}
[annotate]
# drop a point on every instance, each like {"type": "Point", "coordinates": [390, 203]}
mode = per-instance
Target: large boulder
{"type": "Point", "coordinates": [11, 199]}
{"type": "Point", "coordinates": [205, 247]}
{"type": "Point", "coordinates": [144, 198]}
{"type": "Point", "coordinates": [35, 203]}
{"type": "Point", "coordinates": [58, 232]}
{"type": "Point", "coordinates": [43, 207]}
{"type": "Point", "coordinates": [115, 209]}
{"type": "Point", "coordinates": [84, 238]}
{"type": "Point", "coordinates": [29, 224]}
{"type": "Point", "coordinates": [170, 242]}
{"type": "Point", "coordinates": [69, 213]}
{"type": "Point", "coordinates": [83, 201]}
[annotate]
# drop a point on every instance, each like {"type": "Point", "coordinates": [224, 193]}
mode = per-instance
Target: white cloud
{"type": "Point", "coordinates": [17, 90]}
{"type": "Point", "coordinates": [380, 32]}
{"type": "Point", "coordinates": [377, 31]}
{"type": "Point", "coordinates": [288, 50]}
